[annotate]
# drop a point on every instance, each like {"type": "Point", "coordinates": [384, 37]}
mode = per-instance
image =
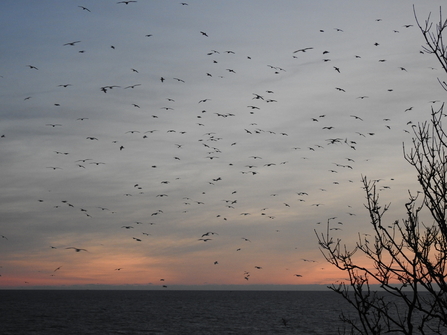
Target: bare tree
{"type": "Point", "coordinates": [434, 40]}
{"type": "Point", "coordinates": [406, 258]}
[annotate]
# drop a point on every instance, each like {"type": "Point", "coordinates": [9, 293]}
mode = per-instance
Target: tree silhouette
{"type": "Point", "coordinates": [408, 258]}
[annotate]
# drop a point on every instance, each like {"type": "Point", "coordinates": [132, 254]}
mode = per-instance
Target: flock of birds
{"type": "Point", "coordinates": [173, 145]}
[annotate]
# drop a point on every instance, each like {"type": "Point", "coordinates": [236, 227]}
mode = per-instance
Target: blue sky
{"type": "Point", "coordinates": [246, 141]}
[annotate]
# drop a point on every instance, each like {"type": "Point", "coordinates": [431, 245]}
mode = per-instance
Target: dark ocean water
{"type": "Point", "coordinates": [169, 312]}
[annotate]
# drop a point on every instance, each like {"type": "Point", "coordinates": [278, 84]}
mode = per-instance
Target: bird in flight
{"type": "Point", "coordinates": [84, 8]}
{"type": "Point", "coordinates": [209, 233]}
{"type": "Point", "coordinates": [302, 50]}
{"type": "Point", "coordinates": [125, 2]}
{"type": "Point", "coordinates": [77, 249]}
{"type": "Point", "coordinates": [72, 43]}
{"type": "Point", "coordinates": [356, 117]}
{"type": "Point", "coordinates": [132, 86]}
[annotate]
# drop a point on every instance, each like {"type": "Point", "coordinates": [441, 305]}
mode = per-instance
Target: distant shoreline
{"type": "Point", "coordinates": [157, 287]}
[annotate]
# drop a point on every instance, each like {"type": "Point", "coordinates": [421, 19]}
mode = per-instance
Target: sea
{"type": "Point", "coordinates": [105, 312]}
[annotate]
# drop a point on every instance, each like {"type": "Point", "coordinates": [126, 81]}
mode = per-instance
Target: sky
{"type": "Point", "coordinates": [160, 144]}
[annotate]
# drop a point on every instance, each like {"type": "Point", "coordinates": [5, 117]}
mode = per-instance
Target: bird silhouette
{"type": "Point", "coordinates": [302, 50]}
{"type": "Point", "coordinates": [84, 8]}
{"type": "Point", "coordinates": [72, 43]}
{"type": "Point", "coordinates": [77, 249]}
{"type": "Point", "coordinates": [132, 86]}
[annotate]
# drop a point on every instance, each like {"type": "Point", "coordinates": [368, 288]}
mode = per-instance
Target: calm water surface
{"type": "Point", "coordinates": [170, 312]}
